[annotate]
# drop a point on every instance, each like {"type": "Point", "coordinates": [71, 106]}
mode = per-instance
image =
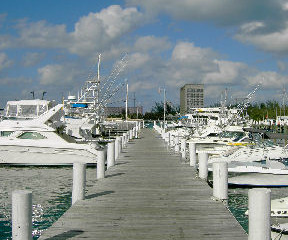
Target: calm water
{"type": "Point", "coordinates": [52, 186]}
{"type": "Point", "coordinates": [51, 197]}
{"type": "Point", "coordinates": [238, 203]}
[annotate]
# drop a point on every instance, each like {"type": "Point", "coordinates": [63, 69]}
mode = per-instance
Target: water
{"type": "Point", "coordinates": [52, 186]}
{"type": "Point", "coordinates": [51, 197]}
{"type": "Point", "coordinates": [238, 204]}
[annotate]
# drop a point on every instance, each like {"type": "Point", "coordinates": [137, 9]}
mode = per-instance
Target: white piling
{"type": "Point", "coordinates": [116, 148]}
{"type": "Point", "coordinates": [111, 154]}
{"type": "Point", "coordinates": [192, 153]}
{"type": "Point", "coordinates": [22, 215]}
{"type": "Point", "coordinates": [183, 147]}
{"type": "Point", "coordinates": [122, 142]}
{"type": "Point", "coordinates": [131, 134]}
{"type": "Point", "coordinates": [171, 143]}
{"type": "Point", "coordinates": [79, 182]}
{"type": "Point", "coordinates": [101, 164]}
{"type": "Point", "coordinates": [176, 140]}
{"type": "Point", "coordinates": [125, 138]}
{"type": "Point", "coordinates": [119, 145]}
{"type": "Point", "coordinates": [220, 180]}
{"type": "Point", "coordinates": [259, 204]}
{"type": "Point", "coordinates": [203, 165]}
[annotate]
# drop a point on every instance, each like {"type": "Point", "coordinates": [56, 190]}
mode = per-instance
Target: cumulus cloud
{"type": "Point", "coordinates": [227, 73]}
{"type": "Point", "coordinates": [97, 31]}
{"type": "Point", "coordinates": [267, 80]}
{"type": "Point", "coordinates": [275, 41]}
{"type": "Point", "coordinates": [41, 35]}
{"type": "Point", "coordinates": [93, 33]}
{"type": "Point", "coordinates": [58, 74]}
{"type": "Point", "coordinates": [151, 43]}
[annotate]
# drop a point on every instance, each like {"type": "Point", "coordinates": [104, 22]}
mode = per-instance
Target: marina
{"type": "Point", "coordinates": [148, 195]}
{"type": "Point", "coordinates": [143, 120]}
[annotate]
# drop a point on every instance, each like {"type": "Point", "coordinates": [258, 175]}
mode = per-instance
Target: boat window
{"type": "Point", "coordinates": [5, 133]}
{"type": "Point", "coordinates": [31, 135]}
{"type": "Point", "coordinates": [212, 135]}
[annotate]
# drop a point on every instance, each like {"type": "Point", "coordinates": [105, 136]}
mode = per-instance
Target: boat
{"type": "Point", "coordinates": [37, 139]}
{"type": "Point", "coordinates": [279, 208]}
{"type": "Point", "coordinates": [279, 231]}
{"type": "Point", "coordinates": [259, 180]}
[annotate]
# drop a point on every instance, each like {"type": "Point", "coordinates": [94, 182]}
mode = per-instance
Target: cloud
{"type": "Point", "coordinates": [97, 31]}
{"type": "Point", "coordinates": [263, 24]}
{"type": "Point", "coordinates": [93, 33]}
{"type": "Point", "coordinates": [151, 43]}
{"type": "Point", "coordinates": [275, 41]}
{"type": "Point", "coordinates": [57, 74]}
{"type": "Point", "coordinates": [19, 81]}
{"type": "Point", "coordinates": [32, 58]}
{"type": "Point", "coordinates": [41, 35]}
{"type": "Point", "coordinates": [4, 62]}
{"type": "Point", "coordinates": [268, 80]}
{"type": "Point", "coordinates": [227, 73]}
{"type": "Point", "coordinates": [221, 12]}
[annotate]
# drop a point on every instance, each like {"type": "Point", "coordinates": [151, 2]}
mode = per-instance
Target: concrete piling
{"type": "Point", "coordinates": [176, 141]}
{"type": "Point", "coordinates": [183, 148]}
{"type": "Point", "coordinates": [220, 180]}
{"type": "Point", "coordinates": [259, 203]}
{"type": "Point", "coordinates": [116, 147]}
{"type": "Point", "coordinates": [101, 164]}
{"type": "Point", "coordinates": [203, 165]}
{"type": "Point", "coordinates": [192, 153]}
{"type": "Point", "coordinates": [22, 215]}
{"type": "Point", "coordinates": [111, 154]}
{"type": "Point", "coordinates": [79, 182]}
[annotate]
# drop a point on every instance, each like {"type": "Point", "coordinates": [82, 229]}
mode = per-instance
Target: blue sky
{"type": "Point", "coordinates": [54, 45]}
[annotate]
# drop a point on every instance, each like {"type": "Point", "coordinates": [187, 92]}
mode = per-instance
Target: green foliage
{"type": "Point", "coordinates": [157, 111]}
{"type": "Point", "coordinates": [270, 110]}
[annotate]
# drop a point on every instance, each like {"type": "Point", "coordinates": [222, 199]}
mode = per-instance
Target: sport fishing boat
{"type": "Point", "coordinates": [31, 135]}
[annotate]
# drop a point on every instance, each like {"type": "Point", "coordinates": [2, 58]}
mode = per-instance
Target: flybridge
{"type": "Point", "coordinates": [27, 109]}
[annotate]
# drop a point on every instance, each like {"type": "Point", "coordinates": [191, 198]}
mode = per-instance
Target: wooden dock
{"type": "Point", "coordinates": [149, 194]}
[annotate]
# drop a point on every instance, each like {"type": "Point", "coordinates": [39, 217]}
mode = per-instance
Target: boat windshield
{"type": "Point", "coordinates": [31, 135]}
{"type": "Point", "coordinates": [233, 135]}
{"type": "Point", "coordinates": [5, 133]}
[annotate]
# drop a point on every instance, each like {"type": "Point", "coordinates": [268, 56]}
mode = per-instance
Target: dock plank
{"type": "Point", "coordinates": [149, 194]}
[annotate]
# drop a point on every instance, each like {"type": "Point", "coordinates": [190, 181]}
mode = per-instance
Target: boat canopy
{"type": "Point", "coordinates": [26, 108]}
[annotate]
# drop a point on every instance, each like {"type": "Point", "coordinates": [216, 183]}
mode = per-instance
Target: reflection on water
{"type": "Point", "coordinates": [51, 197]}
{"type": "Point", "coordinates": [238, 205]}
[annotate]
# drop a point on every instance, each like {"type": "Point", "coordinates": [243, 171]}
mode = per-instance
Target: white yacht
{"type": "Point", "coordinates": [31, 138]}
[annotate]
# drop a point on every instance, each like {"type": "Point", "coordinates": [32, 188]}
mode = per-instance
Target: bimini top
{"type": "Point", "coordinates": [27, 108]}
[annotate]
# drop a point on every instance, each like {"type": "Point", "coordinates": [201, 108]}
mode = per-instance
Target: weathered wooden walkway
{"type": "Point", "coordinates": [149, 194]}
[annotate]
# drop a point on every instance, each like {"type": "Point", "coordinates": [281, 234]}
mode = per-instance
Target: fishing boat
{"type": "Point", "coordinates": [37, 139]}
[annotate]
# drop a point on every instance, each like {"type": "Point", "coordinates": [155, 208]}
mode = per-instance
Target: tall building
{"type": "Point", "coordinates": [191, 96]}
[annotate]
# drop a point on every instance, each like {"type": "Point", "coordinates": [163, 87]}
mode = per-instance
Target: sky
{"type": "Point", "coordinates": [53, 46]}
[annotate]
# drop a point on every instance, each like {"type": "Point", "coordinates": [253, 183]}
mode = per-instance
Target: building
{"type": "Point", "coordinates": [191, 96]}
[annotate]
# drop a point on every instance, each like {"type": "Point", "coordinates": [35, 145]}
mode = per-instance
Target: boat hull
{"type": "Point", "coordinates": [25, 155]}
